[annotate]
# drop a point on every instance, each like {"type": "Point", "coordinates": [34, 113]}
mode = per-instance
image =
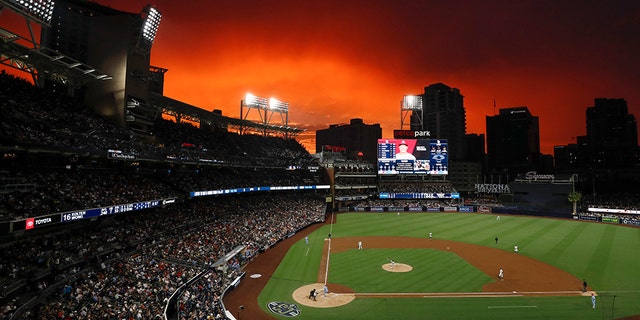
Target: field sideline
{"type": "Point", "coordinates": [607, 256]}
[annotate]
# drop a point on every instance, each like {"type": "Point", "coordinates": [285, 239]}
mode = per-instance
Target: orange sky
{"type": "Point", "coordinates": [334, 60]}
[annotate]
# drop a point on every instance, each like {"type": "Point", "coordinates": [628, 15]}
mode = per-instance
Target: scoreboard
{"type": "Point", "coordinates": [413, 156]}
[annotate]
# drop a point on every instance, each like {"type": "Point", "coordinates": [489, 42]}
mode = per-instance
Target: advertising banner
{"type": "Point", "coordinates": [484, 209]}
{"type": "Point", "coordinates": [630, 222]}
{"type": "Point", "coordinates": [610, 219]}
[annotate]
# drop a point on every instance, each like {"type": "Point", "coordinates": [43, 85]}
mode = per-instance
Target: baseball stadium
{"type": "Point", "coordinates": [118, 202]}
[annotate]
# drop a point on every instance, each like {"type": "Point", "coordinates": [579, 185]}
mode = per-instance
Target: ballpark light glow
{"type": "Point", "coordinates": [411, 102]}
{"type": "Point", "coordinates": [40, 10]}
{"type": "Point", "coordinates": [151, 23]}
{"type": "Point", "coordinates": [278, 105]}
{"type": "Point", "coordinates": [255, 101]}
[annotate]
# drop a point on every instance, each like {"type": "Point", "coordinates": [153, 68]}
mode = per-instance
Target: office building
{"type": "Point", "coordinates": [612, 134]}
{"type": "Point", "coordinates": [360, 140]}
{"type": "Point", "coordinates": [513, 142]}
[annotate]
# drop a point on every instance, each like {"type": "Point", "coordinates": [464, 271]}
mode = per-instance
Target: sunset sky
{"type": "Point", "coordinates": [334, 60]}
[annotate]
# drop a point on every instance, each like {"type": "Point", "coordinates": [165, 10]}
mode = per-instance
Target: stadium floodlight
{"type": "Point", "coordinates": [410, 102]}
{"type": "Point", "coordinates": [38, 10]}
{"type": "Point", "coordinates": [276, 104]}
{"type": "Point", "coordinates": [151, 24]}
{"type": "Point", "coordinates": [255, 101]}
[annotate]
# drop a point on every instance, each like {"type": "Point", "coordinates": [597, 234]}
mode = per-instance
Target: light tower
{"type": "Point", "coordinates": [37, 11]}
{"type": "Point", "coordinates": [411, 106]}
{"type": "Point", "coordinates": [266, 108]}
{"type": "Point", "coordinates": [150, 23]}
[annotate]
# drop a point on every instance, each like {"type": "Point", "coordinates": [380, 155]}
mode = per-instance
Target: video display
{"type": "Point", "coordinates": [413, 156]}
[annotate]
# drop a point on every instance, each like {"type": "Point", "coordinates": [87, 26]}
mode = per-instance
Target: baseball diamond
{"type": "Point", "coordinates": [525, 276]}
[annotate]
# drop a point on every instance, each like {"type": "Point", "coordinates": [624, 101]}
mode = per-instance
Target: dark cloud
{"type": "Point", "coordinates": [334, 60]}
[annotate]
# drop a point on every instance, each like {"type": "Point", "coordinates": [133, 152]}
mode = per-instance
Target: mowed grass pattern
{"type": "Point", "coordinates": [608, 256]}
{"type": "Point", "coordinates": [433, 271]}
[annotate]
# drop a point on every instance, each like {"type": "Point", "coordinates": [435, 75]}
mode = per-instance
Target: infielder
{"type": "Point", "coordinates": [501, 274]}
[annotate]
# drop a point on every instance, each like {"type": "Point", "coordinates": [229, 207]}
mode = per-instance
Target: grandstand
{"type": "Point", "coordinates": [97, 213]}
{"type": "Point", "coordinates": [82, 201]}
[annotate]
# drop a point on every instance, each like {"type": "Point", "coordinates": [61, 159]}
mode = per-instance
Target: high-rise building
{"type": "Point", "coordinates": [475, 147]}
{"type": "Point", "coordinates": [513, 141]}
{"type": "Point", "coordinates": [444, 116]}
{"type": "Point", "coordinates": [360, 140]}
{"type": "Point", "coordinates": [612, 134]}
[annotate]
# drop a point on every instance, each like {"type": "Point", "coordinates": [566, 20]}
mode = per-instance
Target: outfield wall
{"type": "Point", "coordinates": [628, 219]}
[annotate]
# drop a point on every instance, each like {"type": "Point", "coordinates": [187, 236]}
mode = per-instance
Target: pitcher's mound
{"type": "Point", "coordinates": [397, 267]}
{"type": "Point", "coordinates": [333, 299]}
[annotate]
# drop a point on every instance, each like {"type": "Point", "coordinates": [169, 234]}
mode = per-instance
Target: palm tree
{"type": "Point", "coordinates": [574, 197]}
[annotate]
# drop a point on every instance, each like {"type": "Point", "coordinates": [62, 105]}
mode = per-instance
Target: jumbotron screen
{"type": "Point", "coordinates": [411, 156]}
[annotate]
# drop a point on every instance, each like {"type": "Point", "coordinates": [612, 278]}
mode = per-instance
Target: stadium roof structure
{"type": "Point", "coordinates": [184, 111]}
{"type": "Point", "coordinates": [28, 55]}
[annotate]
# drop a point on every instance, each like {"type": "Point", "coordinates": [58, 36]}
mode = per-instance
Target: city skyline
{"type": "Point", "coordinates": [337, 60]}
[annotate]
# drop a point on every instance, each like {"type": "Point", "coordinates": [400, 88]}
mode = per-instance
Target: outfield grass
{"type": "Point", "coordinates": [608, 256]}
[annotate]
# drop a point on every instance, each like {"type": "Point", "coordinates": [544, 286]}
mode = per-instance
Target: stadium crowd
{"type": "Point", "coordinates": [417, 187]}
{"type": "Point", "coordinates": [123, 267]}
{"type": "Point", "coordinates": [128, 265]}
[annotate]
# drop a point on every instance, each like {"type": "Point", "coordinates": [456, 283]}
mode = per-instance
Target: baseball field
{"type": "Point", "coordinates": [400, 273]}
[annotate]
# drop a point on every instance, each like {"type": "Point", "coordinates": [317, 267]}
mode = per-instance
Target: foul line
{"type": "Point", "coordinates": [463, 294]}
{"type": "Point", "coordinates": [326, 272]}
{"type": "Point", "coordinates": [510, 307]}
